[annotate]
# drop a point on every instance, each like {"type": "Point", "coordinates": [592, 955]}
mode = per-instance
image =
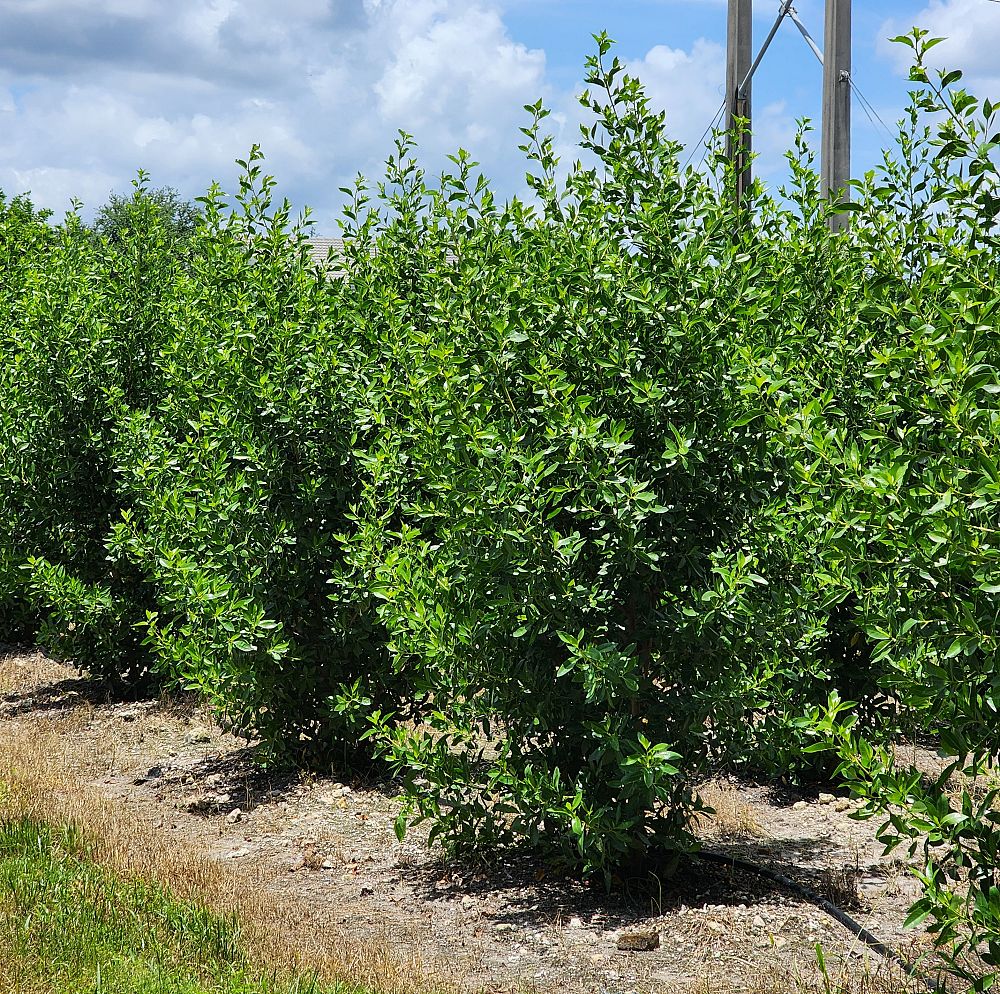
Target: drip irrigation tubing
{"type": "Point", "coordinates": [872, 941]}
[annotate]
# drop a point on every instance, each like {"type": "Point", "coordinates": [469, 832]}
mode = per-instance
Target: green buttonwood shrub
{"type": "Point", "coordinates": [901, 505]}
{"type": "Point", "coordinates": [79, 329]}
{"type": "Point", "coordinates": [568, 518]}
{"type": "Point", "coordinates": [239, 483]}
{"type": "Point", "coordinates": [25, 240]}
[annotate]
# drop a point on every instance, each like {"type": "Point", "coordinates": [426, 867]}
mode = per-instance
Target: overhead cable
{"type": "Point", "coordinates": [787, 10]}
{"type": "Point", "coordinates": [711, 124]}
{"type": "Point", "coordinates": [870, 112]}
{"type": "Point", "coordinates": [869, 109]}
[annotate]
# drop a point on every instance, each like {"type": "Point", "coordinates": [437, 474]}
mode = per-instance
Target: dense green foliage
{"type": "Point", "coordinates": [68, 925]}
{"type": "Point", "coordinates": [120, 215]}
{"type": "Point", "coordinates": [551, 506]}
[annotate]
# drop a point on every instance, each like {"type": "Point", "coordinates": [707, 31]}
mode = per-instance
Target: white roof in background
{"type": "Point", "coordinates": [319, 248]}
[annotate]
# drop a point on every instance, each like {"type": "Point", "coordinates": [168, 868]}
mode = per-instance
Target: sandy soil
{"type": "Point", "coordinates": [327, 849]}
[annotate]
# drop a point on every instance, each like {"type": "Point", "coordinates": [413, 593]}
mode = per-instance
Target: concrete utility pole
{"type": "Point", "coordinates": [836, 156]}
{"type": "Point", "coordinates": [738, 63]}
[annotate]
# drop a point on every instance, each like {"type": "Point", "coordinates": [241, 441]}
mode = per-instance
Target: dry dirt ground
{"type": "Point", "coordinates": [316, 864]}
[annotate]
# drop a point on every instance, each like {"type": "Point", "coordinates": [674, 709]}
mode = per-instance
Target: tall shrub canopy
{"type": "Point", "coordinates": [552, 505]}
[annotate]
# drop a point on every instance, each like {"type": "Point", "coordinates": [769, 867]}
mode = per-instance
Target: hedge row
{"type": "Point", "coordinates": [553, 506]}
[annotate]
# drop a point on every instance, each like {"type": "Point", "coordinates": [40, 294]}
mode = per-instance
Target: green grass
{"type": "Point", "coordinates": [69, 926]}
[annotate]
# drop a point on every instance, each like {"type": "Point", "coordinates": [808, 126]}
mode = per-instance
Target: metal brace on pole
{"type": "Point", "coordinates": [809, 40]}
{"type": "Point", "coordinates": [739, 77]}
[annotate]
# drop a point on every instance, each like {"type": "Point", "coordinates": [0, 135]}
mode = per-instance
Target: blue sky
{"type": "Point", "coordinates": [92, 90]}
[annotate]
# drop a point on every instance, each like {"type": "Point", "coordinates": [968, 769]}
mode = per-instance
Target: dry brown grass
{"type": "Point", "coordinates": [48, 775]}
{"type": "Point", "coordinates": [732, 816]}
{"type": "Point", "coordinates": [40, 778]}
{"type": "Point", "coordinates": [24, 669]}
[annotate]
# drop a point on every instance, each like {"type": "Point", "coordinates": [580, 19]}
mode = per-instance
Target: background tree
{"type": "Point", "coordinates": [177, 218]}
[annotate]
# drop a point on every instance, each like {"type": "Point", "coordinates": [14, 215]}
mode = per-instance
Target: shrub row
{"type": "Point", "coordinates": [552, 505]}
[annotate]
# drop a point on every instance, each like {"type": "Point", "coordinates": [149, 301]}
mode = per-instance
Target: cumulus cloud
{"type": "Point", "coordinates": [687, 85]}
{"type": "Point", "coordinates": [452, 69]}
{"type": "Point", "coordinates": [91, 90]}
{"type": "Point", "coordinates": [972, 32]}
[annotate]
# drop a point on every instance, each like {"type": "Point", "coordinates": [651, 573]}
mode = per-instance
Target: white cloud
{"type": "Point", "coordinates": [972, 32]}
{"type": "Point", "coordinates": [90, 91]}
{"type": "Point", "coordinates": [687, 85]}
{"type": "Point", "coordinates": [56, 187]}
{"type": "Point", "coordinates": [453, 68]}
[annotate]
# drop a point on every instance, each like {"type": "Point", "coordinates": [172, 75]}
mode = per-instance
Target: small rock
{"type": "Point", "coordinates": [237, 853]}
{"type": "Point", "coordinates": [327, 864]}
{"type": "Point", "coordinates": [503, 927]}
{"type": "Point", "coordinates": [843, 805]}
{"type": "Point", "coordinates": [198, 735]}
{"type": "Point", "coordinates": [759, 922]}
{"type": "Point", "coordinates": [799, 806]}
{"type": "Point", "coordinates": [826, 798]}
{"type": "Point", "coordinates": [575, 922]}
{"type": "Point", "coordinates": [716, 927]}
{"type": "Point", "coordinates": [234, 816]}
{"type": "Point", "coordinates": [642, 942]}
{"type": "Point", "coordinates": [468, 903]}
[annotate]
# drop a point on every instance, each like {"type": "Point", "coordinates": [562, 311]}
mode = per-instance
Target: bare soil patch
{"type": "Point", "coordinates": [312, 864]}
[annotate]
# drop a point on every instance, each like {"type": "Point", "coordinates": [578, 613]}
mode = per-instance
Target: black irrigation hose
{"type": "Point", "coordinates": [872, 941]}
